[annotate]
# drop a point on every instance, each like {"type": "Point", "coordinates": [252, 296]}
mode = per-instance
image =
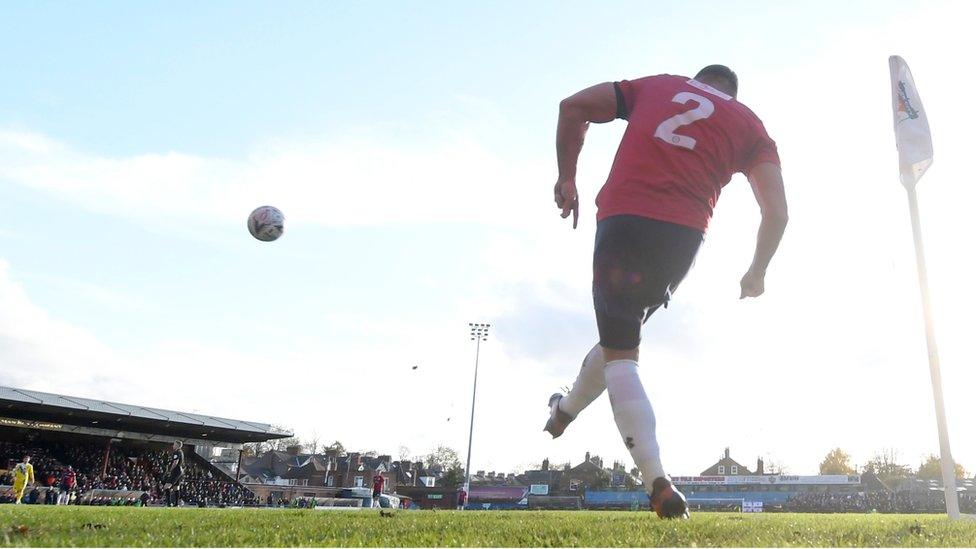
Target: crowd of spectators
{"type": "Point", "coordinates": [129, 468]}
{"type": "Point", "coordinates": [931, 501]}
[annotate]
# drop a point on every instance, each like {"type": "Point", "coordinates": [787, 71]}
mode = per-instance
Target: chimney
{"type": "Point", "coordinates": [726, 452]}
{"type": "Point", "coordinates": [759, 467]}
{"type": "Point", "coordinates": [545, 464]}
{"type": "Point", "coordinates": [587, 456]}
{"type": "Point", "coordinates": [355, 460]}
{"type": "Point", "coordinates": [293, 450]}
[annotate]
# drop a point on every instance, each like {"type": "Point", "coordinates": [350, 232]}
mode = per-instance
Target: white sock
{"type": "Point", "coordinates": [635, 418]}
{"type": "Point", "coordinates": [589, 384]}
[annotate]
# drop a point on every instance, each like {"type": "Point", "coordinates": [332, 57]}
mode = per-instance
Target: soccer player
{"type": "Point", "coordinates": [685, 138]}
{"type": "Point", "coordinates": [23, 475]}
{"type": "Point", "coordinates": [378, 482]}
{"type": "Point", "coordinates": [174, 474]}
{"type": "Point", "coordinates": [68, 480]}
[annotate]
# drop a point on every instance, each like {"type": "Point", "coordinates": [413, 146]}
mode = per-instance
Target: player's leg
{"type": "Point", "coordinates": [178, 488]}
{"type": "Point", "coordinates": [589, 385]}
{"type": "Point", "coordinates": [632, 410]}
{"type": "Point", "coordinates": [637, 264]}
{"type": "Point", "coordinates": [19, 491]}
{"type": "Point", "coordinates": [634, 415]}
{"type": "Point", "coordinates": [619, 299]}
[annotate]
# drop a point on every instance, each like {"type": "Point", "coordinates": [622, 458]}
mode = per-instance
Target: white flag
{"type": "Point", "coordinates": [911, 125]}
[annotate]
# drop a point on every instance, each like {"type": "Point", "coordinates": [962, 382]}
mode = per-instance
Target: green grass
{"type": "Point", "coordinates": [121, 526]}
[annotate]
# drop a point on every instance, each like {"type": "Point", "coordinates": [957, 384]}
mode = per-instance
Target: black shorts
{"type": "Point", "coordinates": [174, 478]}
{"type": "Point", "coordinates": [376, 494]}
{"type": "Point", "coordinates": [637, 265]}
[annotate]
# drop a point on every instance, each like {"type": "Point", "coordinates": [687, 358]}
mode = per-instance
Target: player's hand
{"type": "Point", "coordinates": [753, 284]}
{"type": "Point", "coordinates": [567, 199]}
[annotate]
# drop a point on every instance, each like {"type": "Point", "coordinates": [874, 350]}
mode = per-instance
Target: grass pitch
{"type": "Point", "coordinates": [37, 525]}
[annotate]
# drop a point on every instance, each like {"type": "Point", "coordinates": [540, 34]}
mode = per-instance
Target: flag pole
{"type": "Point", "coordinates": [914, 141]}
{"type": "Point", "coordinates": [948, 465]}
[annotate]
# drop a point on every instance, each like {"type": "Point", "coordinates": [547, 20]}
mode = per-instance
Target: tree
{"type": "Point", "coordinates": [931, 469]}
{"type": "Point", "coordinates": [444, 457]}
{"type": "Point", "coordinates": [885, 465]}
{"type": "Point", "coordinates": [837, 462]}
{"type": "Point", "coordinates": [631, 480]}
{"type": "Point", "coordinates": [775, 467]}
{"type": "Point", "coordinates": [453, 477]}
{"type": "Point", "coordinates": [252, 449]}
{"type": "Point", "coordinates": [404, 453]}
{"type": "Point", "coordinates": [282, 444]}
{"type": "Point", "coordinates": [601, 481]}
{"type": "Point", "coordinates": [311, 446]}
{"type": "Point", "coordinates": [337, 446]}
{"type": "Point", "coordinates": [258, 448]}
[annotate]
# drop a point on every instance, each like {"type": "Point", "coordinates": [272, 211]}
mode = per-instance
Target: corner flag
{"type": "Point", "coordinates": [912, 133]}
{"type": "Point", "coordinates": [914, 141]}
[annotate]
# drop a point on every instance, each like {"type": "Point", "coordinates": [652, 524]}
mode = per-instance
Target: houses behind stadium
{"type": "Point", "coordinates": [727, 484]}
{"type": "Point", "coordinates": [117, 450]}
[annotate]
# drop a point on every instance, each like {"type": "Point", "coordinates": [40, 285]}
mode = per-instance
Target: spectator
{"type": "Point", "coordinates": [133, 468]}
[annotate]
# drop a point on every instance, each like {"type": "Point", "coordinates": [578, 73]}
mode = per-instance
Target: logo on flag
{"type": "Point", "coordinates": [904, 110]}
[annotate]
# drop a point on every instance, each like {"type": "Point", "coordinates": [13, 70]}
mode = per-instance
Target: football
{"type": "Point", "coordinates": [266, 223]}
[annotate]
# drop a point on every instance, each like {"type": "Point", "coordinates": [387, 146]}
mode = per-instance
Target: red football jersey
{"type": "Point", "coordinates": [378, 483]}
{"type": "Point", "coordinates": [684, 141]}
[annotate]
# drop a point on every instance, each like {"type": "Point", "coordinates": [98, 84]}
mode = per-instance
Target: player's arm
{"type": "Point", "coordinates": [594, 104]}
{"type": "Point", "coordinates": [30, 474]}
{"type": "Point", "coordinates": [767, 184]}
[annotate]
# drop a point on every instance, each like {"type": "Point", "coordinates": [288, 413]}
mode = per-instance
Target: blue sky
{"type": "Point", "coordinates": [411, 148]}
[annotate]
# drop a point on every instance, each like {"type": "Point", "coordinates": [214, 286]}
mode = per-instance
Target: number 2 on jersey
{"type": "Point", "coordinates": [666, 129]}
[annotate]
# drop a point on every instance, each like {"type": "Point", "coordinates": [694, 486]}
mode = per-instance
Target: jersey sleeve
{"type": "Point", "coordinates": [761, 149]}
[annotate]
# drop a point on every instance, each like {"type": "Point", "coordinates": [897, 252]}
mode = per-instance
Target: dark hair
{"type": "Point", "coordinates": [720, 72]}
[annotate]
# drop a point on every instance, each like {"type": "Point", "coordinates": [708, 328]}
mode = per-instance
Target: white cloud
{"type": "Point", "coordinates": [358, 179]}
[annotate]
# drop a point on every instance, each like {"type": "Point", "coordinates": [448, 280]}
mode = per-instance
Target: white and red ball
{"type": "Point", "coordinates": [266, 223]}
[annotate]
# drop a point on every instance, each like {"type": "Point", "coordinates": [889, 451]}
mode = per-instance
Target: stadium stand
{"type": "Point", "coordinates": [117, 450]}
{"type": "Point", "coordinates": [814, 494]}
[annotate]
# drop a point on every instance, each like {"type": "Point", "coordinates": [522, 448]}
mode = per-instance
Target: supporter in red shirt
{"type": "Point", "coordinates": [378, 482]}
{"type": "Point", "coordinates": [68, 482]}
{"type": "Point", "coordinates": [685, 138]}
